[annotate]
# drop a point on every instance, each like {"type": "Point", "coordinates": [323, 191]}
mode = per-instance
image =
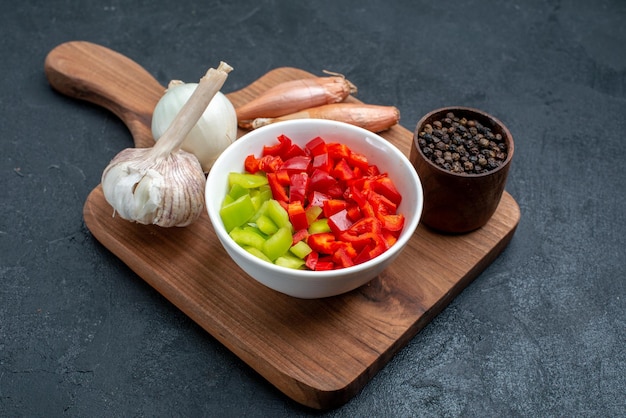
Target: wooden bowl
{"type": "Point", "coordinates": [459, 202]}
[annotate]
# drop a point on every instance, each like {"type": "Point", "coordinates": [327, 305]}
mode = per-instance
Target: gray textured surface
{"type": "Point", "coordinates": [540, 333]}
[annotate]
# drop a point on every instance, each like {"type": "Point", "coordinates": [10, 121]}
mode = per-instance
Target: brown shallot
{"type": "Point", "coordinates": [294, 95]}
{"type": "Point", "coordinates": [374, 118]}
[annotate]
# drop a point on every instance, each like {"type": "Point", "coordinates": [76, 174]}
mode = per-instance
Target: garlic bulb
{"type": "Point", "coordinates": [164, 185]}
{"type": "Point", "coordinates": [216, 129]}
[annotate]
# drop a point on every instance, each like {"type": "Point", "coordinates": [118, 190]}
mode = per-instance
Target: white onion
{"type": "Point", "coordinates": [215, 131]}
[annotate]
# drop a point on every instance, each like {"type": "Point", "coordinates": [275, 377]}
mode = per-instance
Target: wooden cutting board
{"type": "Point", "coordinates": [318, 352]}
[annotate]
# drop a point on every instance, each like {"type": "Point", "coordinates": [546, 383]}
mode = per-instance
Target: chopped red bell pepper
{"type": "Point", "coordinates": [297, 164]}
{"type": "Point", "coordinates": [366, 225]}
{"type": "Point", "coordinates": [270, 163]}
{"type": "Point", "coordinates": [338, 151]}
{"type": "Point", "coordinates": [358, 160]}
{"type": "Point", "coordinates": [391, 222]}
{"type": "Point", "coordinates": [294, 151]}
{"type": "Point", "coordinates": [322, 181]}
{"type": "Point", "coordinates": [332, 206]}
{"type": "Point", "coordinates": [317, 198]}
{"type": "Point", "coordinates": [343, 171]}
{"type": "Point", "coordinates": [375, 247]}
{"type": "Point", "coordinates": [336, 191]}
{"type": "Point", "coordinates": [362, 233]}
{"type": "Point", "coordinates": [297, 215]}
{"type": "Point", "coordinates": [251, 164]}
{"type": "Point", "coordinates": [341, 257]}
{"type": "Point", "coordinates": [298, 187]}
{"type": "Point", "coordinates": [364, 254]}
{"type": "Point", "coordinates": [278, 190]}
{"type": "Point", "coordinates": [323, 243]}
{"type": "Point", "coordinates": [381, 204]}
{"type": "Point", "coordinates": [311, 260]}
{"type": "Point", "coordinates": [284, 143]}
{"type": "Point", "coordinates": [339, 222]}
{"type": "Point", "coordinates": [373, 170]}
{"type": "Point", "coordinates": [283, 177]}
{"type": "Point", "coordinates": [300, 235]}
{"type": "Point", "coordinates": [380, 246]}
{"type": "Point", "coordinates": [323, 162]}
{"type": "Point", "coordinates": [355, 195]}
{"type": "Point", "coordinates": [385, 186]}
{"type": "Point", "coordinates": [354, 212]}
{"type": "Point", "coordinates": [325, 263]}
{"type": "Point", "coordinates": [390, 237]}
{"type": "Point", "coordinates": [315, 146]}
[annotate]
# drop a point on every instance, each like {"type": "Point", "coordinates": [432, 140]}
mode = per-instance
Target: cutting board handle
{"type": "Point", "coordinates": [99, 75]}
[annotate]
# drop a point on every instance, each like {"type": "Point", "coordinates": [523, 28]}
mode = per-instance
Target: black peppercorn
{"type": "Point", "coordinates": [462, 146]}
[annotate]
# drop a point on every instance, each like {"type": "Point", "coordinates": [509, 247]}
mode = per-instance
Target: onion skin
{"type": "Point", "coordinates": [374, 118]}
{"type": "Point", "coordinates": [295, 95]}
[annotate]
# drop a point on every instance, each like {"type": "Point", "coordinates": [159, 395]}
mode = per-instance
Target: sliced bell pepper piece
{"type": "Point", "coordinates": [257, 253]}
{"type": "Point", "coordinates": [319, 226]}
{"type": "Point", "coordinates": [266, 225]}
{"type": "Point", "coordinates": [301, 249]}
{"type": "Point", "coordinates": [322, 181]}
{"type": "Point", "coordinates": [297, 215]}
{"type": "Point", "coordinates": [385, 186]}
{"type": "Point", "coordinates": [311, 260]}
{"type": "Point", "coordinates": [390, 237]}
{"type": "Point", "coordinates": [294, 151]}
{"type": "Point", "coordinates": [237, 213]}
{"type": "Point", "coordinates": [246, 180]}
{"type": "Point", "coordinates": [247, 237]}
{"type": "Point", "coordinates": [237, 190]}
{"type": "Point", "coordinates": [341, 258]}
{"type": "Point", "coordinates": [300, 235]}
{"type": "Point", "coordinates": [323, 162]}
{"type": "Point", "coordinates": [355, 194]}
{"type": "Point", "coordinates": [324, 263]}
{"type": "Point", "coordinates": [277, 213]}
{"type": "Point", "coordinates": [278, 190]}
{"type": "Point", "coordinates": [381, 205]}
{"type": "Point", "coordinates": [343, 171]}
{"type": "Point", "coordinates": [337, 150]}
{"type": "Point", "coordinates": [391, 222]}
{"type": "Point", "coordinates": [270, 163]}
{"type": "Point", "coordinates": [313, 213]}
{"type": "Point", "coordinates": [277, 244]}
{"type": "Point", "coordinates": [365, 225]}
{"type": "Point", "coordinates": [283, 177]}
{"type": "Point", "coordinates": [316, 146]}
{"type": "Point", "coordinates": [358, 160]}
{"type": "Point", "coordinates": [354, 212]}
{"type": "Point", "coordinates": [317, 198]}
{"type": "Point", "coordinates": [283, 144]}
{"type": "Point", "coordinates": [339, 222]}
{"type": "Point", "coordinates": [298, 187]}
{"type": "Point", "coordinates": [323, 243]}
{"type": "Point", "coordinates": [373, 170]}
{"type": "Point", "coordinates": [297, 164]}
{"type": "Point", "coordinates": [332, 206]}
{"type": "Point", "coordinates": [251, 164]}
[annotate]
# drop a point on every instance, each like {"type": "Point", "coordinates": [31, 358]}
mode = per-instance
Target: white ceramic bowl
{"type": "Point", "coordinates": [308, 284]}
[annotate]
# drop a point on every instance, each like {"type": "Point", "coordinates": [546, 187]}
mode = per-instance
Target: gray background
{"type": "Point", "coordinates": [540, 333]}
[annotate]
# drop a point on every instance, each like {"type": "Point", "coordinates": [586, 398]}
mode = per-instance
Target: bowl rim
{"type": "Point", "coordinates": [306, 275]}
{"type": "Point", "coordinates": [483, 115]}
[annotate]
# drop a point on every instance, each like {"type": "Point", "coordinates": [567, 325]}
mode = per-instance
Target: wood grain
{"type": "Point", "coordinates": [318, 352]}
